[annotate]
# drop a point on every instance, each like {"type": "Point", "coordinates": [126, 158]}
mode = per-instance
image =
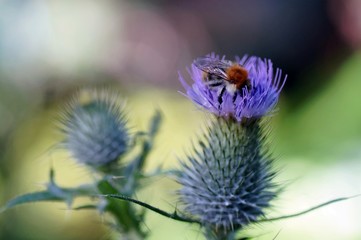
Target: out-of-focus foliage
{"type": "Point", "coordinates": [328, 123]}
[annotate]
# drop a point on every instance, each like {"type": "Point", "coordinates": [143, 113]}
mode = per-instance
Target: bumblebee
{"type": "Point", "coordinates": [224, 75]}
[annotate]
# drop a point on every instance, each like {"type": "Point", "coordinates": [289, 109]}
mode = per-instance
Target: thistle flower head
{"type": "Point", "coordinates": [228, 182]}
{"type": "Point", "coordinates": [95, 128]}
{"type": "Point", "coordinates": [245, 88]}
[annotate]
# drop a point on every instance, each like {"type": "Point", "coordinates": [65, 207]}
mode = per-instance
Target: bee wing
{"type": "Point", "coordinates": [212, 66]}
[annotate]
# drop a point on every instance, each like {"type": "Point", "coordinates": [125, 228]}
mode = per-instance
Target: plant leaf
{"type": "Point", "coordinates": [52, 193]}
{"type": "Point", "coordinates": [29, 198]}
{"type": "Point", "coordinates": [155, 123]}
{"type": "Point", "coordinates": [86, 207]}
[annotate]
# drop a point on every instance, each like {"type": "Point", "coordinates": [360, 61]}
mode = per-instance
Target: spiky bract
{"type": "Point", "coordinates": [228, 182]}
{"type": "Point", "coordinates": [95, 128]}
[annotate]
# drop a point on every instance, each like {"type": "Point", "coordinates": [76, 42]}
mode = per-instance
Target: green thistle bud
{"type": "Point", "coordinates": [95, 128]}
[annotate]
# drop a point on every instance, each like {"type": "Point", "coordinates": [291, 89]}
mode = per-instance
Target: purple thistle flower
{"type": "Point", "coordinates": [217, 89]}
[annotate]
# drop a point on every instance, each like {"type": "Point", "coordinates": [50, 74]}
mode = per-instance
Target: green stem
{"type": "Point", "coordinates": [124, 213]}
{"type": "Point", "coordinates": [219, 234]}
{"type": "Point", "coordinates": [174, 215]}
{"type": "Point", "coordinates": [308, 210]}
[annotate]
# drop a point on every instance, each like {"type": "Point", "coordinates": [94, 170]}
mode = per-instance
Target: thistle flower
{"type": "Point", "coordinates": [242, 89]}
{"type": "Point", "coordinates": [95, 128]}
{"type": "Point", "coordinates": [228, 182]}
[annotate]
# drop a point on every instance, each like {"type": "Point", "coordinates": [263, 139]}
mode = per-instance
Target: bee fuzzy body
{"type": "Point", "coordinates": [222, 74]}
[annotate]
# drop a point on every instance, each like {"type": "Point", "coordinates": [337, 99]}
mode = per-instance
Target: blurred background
{"type": "Point", "coordinates": [48, 49]}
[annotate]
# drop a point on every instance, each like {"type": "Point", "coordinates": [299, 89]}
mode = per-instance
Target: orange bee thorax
{"type": "Point", "coordinates": [238, 76]}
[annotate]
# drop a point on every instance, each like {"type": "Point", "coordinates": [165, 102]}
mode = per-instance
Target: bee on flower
{"type": "Point", "coordinates": [231, 76]}
{"type": "Point", "coordinates": [247, 87]}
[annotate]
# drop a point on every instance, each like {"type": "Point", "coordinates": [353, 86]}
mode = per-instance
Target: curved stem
{"type": "Point", "coordinates": [308, 210]}
{"type": "Point", "coordinates": [174, 215]}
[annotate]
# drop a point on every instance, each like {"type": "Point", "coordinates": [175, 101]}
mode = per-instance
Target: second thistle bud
{"type": "Point", "coordinates": [95, 128]}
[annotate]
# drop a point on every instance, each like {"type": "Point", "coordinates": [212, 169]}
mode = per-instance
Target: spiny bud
{"type": "Point", "coordinates": [95, 128]}
{"type": "Point", "coordinates": [228, 182]}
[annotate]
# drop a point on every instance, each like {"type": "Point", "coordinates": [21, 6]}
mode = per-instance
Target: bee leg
{"type": "Point", "coordinates": [220, 95]}
{"type": "Point", "coordinates": [234, 97]}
